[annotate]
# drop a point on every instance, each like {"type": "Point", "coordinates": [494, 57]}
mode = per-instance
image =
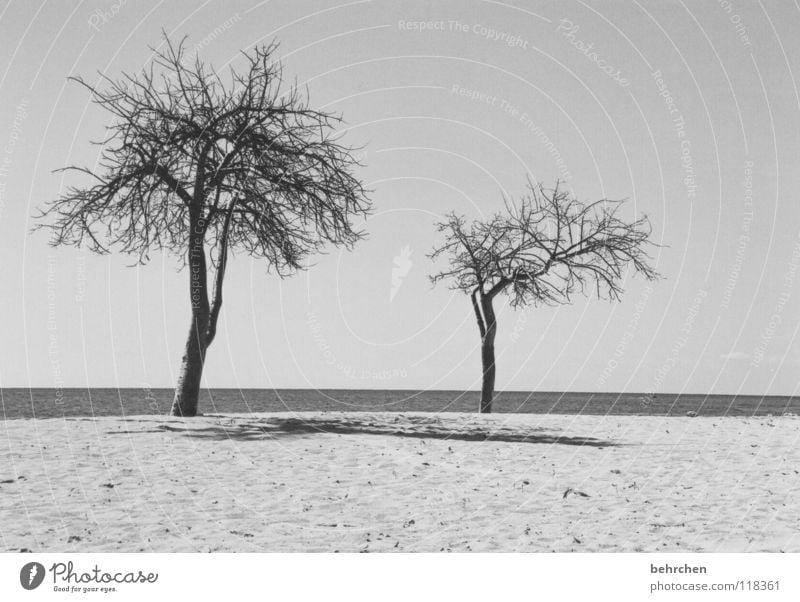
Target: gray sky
{"type": "Point", "coordinates": [690, 110]}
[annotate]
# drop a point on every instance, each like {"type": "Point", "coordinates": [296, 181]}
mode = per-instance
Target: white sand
{"type": "Point", "coordinates": [400, 482]}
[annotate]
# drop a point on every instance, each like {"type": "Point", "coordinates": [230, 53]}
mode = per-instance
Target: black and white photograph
{"type": "Point", "coordinates": [414, 277]}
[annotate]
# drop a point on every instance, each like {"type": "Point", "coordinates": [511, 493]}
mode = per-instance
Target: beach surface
{"type": "Point", "coordinates": [410, 482]}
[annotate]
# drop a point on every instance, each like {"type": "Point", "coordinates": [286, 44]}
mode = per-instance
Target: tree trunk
{"type": "Point", "coordinates": [487, 389]}
{"type": "Point", "coordinates": [187, 391]}
{"type": "Point", "coordinates": [487, 356]}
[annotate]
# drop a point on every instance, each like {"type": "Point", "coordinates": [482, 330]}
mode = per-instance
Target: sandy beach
{"type": "Point", "coordinates": [357, 482]}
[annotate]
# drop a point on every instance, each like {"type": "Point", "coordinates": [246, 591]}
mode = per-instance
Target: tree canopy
{"type": "Point", "coordinates": [544, 249]}
{"type": "Point", "coordinates": [260, 169]}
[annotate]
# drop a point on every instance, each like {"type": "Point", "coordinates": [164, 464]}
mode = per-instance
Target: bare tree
{"type": "Point", "coordinates": [203, 167]}
{"type": "Point", "coordinates": [540, 252]}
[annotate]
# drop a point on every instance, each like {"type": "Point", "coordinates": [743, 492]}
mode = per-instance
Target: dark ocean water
{"type": "Point", "coordinates": [50, 403]}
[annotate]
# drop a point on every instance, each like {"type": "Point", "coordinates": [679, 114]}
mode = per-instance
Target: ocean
{"type": "Point", "coordinates": [56, 403]}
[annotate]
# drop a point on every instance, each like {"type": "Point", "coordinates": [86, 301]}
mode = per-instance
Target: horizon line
{"type": "Point", "coordinates": [417, 390]}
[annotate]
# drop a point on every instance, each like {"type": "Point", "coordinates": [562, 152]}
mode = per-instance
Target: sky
{"type": "Point", "coordinates": [688, 111]}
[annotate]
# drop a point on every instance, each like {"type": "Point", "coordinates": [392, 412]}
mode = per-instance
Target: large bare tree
{"type": "Point", "coordinates": [203, 166]}
{"type": "Point", "coordinates": [540, 251]}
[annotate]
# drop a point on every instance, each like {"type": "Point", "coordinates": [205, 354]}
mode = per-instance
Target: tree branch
{"type": "Point", "coordinates": [219, 276]}
{"type": "Point", "coordinates": [544, 249]}
{"type": "Point", "coordinates": [477, 309]}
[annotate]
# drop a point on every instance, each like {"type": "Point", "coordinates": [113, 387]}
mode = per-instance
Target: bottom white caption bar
{"type": "Point", "coordinates": [352, 577]}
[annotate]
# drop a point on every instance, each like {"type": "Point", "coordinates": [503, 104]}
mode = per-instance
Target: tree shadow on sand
{"type": "Point", "coordinates": [402, 426]}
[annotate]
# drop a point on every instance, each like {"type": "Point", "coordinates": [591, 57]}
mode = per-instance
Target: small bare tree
{"type": "Point", "coordinates": [539, 252]}
{"type": "Point", "coordinates": [204, 167]}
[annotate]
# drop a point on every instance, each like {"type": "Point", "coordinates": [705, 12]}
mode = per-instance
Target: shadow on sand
{"type": "Point", "coordinates": [402, 426]}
